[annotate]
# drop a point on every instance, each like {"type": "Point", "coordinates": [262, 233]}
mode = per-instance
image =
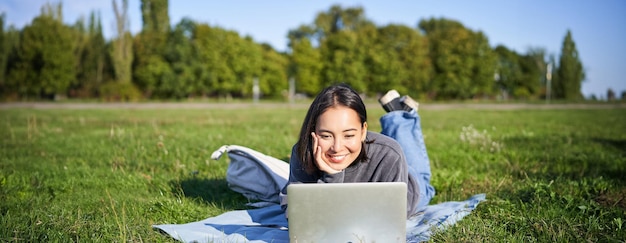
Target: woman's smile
{"type": "Point", "coordinates": [336, 158]}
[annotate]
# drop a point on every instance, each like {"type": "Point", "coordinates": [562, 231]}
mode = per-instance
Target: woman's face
{"type": "Point", "coordinates": [340, 135]}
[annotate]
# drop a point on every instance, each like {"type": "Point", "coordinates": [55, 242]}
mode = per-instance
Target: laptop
{"type": "Point", "coordinates": [347, 212]}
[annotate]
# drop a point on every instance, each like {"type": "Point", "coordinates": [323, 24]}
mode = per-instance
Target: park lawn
{"type": "Point", "coordinates": [109, 174]}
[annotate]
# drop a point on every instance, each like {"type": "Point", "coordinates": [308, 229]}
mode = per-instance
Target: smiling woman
{"type": "Point", "coordinates": [338, 138]}
{"type": "Point", "coordinates": [336, 147]}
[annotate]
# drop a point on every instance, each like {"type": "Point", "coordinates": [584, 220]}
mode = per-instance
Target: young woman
{"type": "Point", "coordinates": [335, 146]}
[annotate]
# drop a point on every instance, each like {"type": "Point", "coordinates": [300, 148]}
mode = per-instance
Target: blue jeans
{"type": "Point", "coordinates": [405, 127]}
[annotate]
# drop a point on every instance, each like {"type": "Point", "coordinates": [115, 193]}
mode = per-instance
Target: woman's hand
{"type": "Point", "coordinates": [317, 153]}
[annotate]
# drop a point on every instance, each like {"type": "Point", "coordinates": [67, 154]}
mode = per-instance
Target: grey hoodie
{"type": "Point", "coordinates": [386, 163]}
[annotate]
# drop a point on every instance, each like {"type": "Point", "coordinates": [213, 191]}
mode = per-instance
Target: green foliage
{"type": "Point", "coordinates": [337, 19]}
{"type": "Point", "coordinates": [354, 50]}
{"type": "Point", "coordinates": [440, 59]}
{"type": "Point", "coordinates": [273, 77]}
{"type": "Point", "coordinates": [463, 61]}
{"type": "Point", "coordinates": [122, 47]}
{"type": "Point", "coordinates": [182, 58]}
{"type": "Point", "coordinates": [155, 16]}
{"type": "Point", "coordinates": [109, 174]}
{"type": "Point", "coordinates": [151, 71]}
{"type": "Point", "coordinates": [343, 63]}
{"type": "Point", "coordinates": [91, 54]}
{"type": "Point", "coordinates": [215, 75]}
{"type": "Point", "coordinates": [119, 91]}
{"type": "Point", "coordinates": [384, 70]}
{"type": "Point", "coordinates": [5, 50]}
{"type": "Point", "coordinates": [229, 62]}
{"type": "Point", "coordinates": [533, 66]}
{"type": "Point", "coordinates": [307, 66]}
{"type": "Point", "coordinates": [509, 72]}
{"type": "Point", "coordinates": [570, 73]}
{"type": "Point", "coordinates": [409, 56]}
{"type": "Point", "coordinates": [9, 46]}
{"type": "Point", "coordinates": [245, 60]}
{"type": "Point", "coordinates": [155, 77]}
{"type": "Point", "coordinates": [122, 58]}
{"type": "Point", "coordinates": [44, 63]}
{"type": "Point", "coordinates": [520, 75]}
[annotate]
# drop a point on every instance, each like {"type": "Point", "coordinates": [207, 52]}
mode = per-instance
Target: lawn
{"type": "Point", "coordinates": [107, 175]}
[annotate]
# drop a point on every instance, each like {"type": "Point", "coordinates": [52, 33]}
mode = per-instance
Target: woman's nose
{"type": "Point", "coordinates": [336, 144]}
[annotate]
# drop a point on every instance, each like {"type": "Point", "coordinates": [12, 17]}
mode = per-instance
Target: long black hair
{"type": "Point", "coordinates": [335, 95]}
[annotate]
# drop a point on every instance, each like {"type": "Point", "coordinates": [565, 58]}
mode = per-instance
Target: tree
{"type": "Point", "coordinates": [215, 77]}
{"type": "Point", "coordinates": [229, 63]}
{"type": "Point", "coordinates": [383, 67]}
{"type": "Point", "coordinates": [155, 16]}
{"type": "Point", "coordinates": [181, 55]}
{"type": "Point", "coordinates": [343, 63]}
{"type": "Point", "coordinates": [330, 50]}
{"type": "Point", "coordinates": [610, 95]}
{"type": "Point", "coordinates": [517, 75]}
{"type": "Point", "coordinates": [9, 60]}
{"type": "Point", "coordinates": [407, 60]}
{"type": "Point", "coordinates": [464, 63]}
{"type": "Point", "coordinates": [307, 66]}
{"type": "Point", "coordinates": [533, 66]}
{"type": "Point", "coordinates": [337, 19]}
{"type": "Point", "coordinates": [9, 41]}
{"type": "Point", "coordinates": [122, 49]}
{"type": "Point", "coordinates": [151, 71]}
{"type": "Point", "coordinates": [273, 78]}
{"type": "Point", "coordinates": [305, 62]}
{"type": "Point", "coordinates": [121, 53]}
{"type": "Point", "coordinates": [342, 45]}
{"type": "Point", "coordinates": [569, 74]}
{"type": "Point", "coordinates": [4, 50]}
{"type": "Point", "coordinates": [45, 63]}
{"type": "Point", "coordinates": [91, 54]}
{"type": "Point", "coordinates": [244, 59]}
{"type": "Point", "coordinates": [484, 66]}
{"type": "Point", "coordinates": [508, 72]}
{"type": "Point", "coordinates": [341, 48]}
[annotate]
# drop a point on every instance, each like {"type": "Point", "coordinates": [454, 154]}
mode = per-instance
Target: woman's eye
{"type": "Point", "coordinates": [349, 136]}
{"type": "Point", "coordinates": [325, 136]}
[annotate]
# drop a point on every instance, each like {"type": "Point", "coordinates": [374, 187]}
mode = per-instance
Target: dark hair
{"type": "Point", "coordinates": [340, 94]}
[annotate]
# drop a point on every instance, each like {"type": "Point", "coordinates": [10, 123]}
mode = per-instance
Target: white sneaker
{"type": "Point", "coordinates": [410, 102]}
{"type": "Point", "coordinates": [391, 101]}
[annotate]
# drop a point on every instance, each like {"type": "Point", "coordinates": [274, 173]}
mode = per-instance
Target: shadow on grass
{"type": "Point", "coordinates": [616, 143]}
{"type": "Point", "coordinates": [209, 191]}
{"type": "Point", "coordinates": [573, 157]}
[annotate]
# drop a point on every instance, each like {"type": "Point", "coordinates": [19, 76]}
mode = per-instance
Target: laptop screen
{"type": "Point", "coordinates": [347, 212]}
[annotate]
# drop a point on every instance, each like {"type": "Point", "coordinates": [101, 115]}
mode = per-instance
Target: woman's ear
{"type": "Point", "coordinates": [364, 131]}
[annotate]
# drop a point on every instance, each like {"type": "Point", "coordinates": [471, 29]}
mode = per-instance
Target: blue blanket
{"type": "Point", "coordinates": [268, 224]}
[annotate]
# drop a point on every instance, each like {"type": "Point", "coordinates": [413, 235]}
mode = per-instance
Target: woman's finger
{"type": "Point", "coordinates": [314, 143]}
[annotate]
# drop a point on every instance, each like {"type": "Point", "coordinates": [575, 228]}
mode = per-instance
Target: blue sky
{"type": "Point", "coordinates": [598, 27]}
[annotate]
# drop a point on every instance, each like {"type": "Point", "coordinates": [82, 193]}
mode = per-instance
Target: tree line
{"type": "Point", "coordinates": [439, 59]}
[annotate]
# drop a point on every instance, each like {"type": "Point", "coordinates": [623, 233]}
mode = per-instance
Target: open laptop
{"type": "Point", "coordinates": [347, 212]}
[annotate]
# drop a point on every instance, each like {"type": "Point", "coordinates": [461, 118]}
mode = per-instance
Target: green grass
{"type": "Point", "coordinates": [108, 175]}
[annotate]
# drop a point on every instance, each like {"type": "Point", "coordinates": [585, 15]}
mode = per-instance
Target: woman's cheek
{"type": "Point", "coordinates": [354, 144]}
{"type": "Point", "coordinates": [324, 145]}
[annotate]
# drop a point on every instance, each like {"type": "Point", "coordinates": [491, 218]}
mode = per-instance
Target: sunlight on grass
{"type": "Point", "coordinates": [108, 175]}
